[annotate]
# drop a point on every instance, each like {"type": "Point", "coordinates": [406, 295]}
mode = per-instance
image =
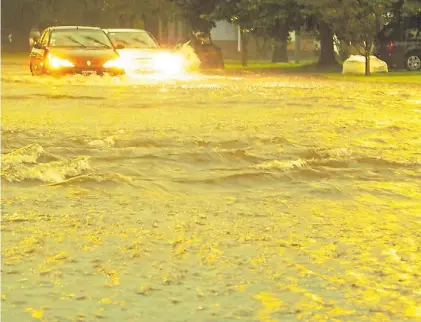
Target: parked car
{"type": "Point", "coordinates": [74, 50]}
{"type": "Point", "coordinates": [399, 44]}
{"type": "Point", "coordinates": [141, 53]}
{"type": "Point", "coordinates": [209, 54]}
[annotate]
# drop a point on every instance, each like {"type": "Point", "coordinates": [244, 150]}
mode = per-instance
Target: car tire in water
{"type": "Point", "coordinates": [413, 61]}
{"type": "Point", "coordinates": [37, 70]}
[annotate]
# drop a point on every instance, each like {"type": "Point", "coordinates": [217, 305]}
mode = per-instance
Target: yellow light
{"type": "Point", "coordinates": [116, 63]}
{"type": "Point", "coordinates": [55, 62]}
{"type": "Point", "coordinates": [169, 63]}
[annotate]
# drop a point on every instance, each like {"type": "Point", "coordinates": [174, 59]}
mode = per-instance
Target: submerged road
{"type": "Point", "coordinates": [209, 198]}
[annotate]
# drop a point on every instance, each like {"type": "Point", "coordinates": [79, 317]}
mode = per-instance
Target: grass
{"type": "Point", "coordinates": [334, 72]}
{"type": "Point", "coordinates": [391, 77]}
{"type": "Point", "coordinates": [232, 65]}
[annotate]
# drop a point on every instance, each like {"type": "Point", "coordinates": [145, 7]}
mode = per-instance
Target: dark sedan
{"type": "Point", "coordinates": [74, 50]}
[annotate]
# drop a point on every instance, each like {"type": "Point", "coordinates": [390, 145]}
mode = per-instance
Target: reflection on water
{"type": "Point", "coordinates": [213, 197]}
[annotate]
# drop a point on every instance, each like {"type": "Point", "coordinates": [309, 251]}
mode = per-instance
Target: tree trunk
{"type": "Point", "coordinates": [151, 24]}
{"type": "Point", "coordinates": [23, 19]}
{"type": "Point", "coordinates": [175, 39]}
{"type": "Point", "coordinates": [121, 21]}
{"type": "Point", "coordinates": [20, 41]}
{"type": "Point", "coordinates": [368, 46]}
{"type": "Point", "coordinates": [259, 48]}
{"type": "Point", "coordinates": [297, 44]}
{"type": "Point", "coordinates": [163, 31]}
{"type": "Point", "coordinates": [244, 49]}
{"type": "Point", "coordinates": [327, 52]}
{"type": "Point", "coordinates": [280, 52]}
{"type": "Point", "coordinates": [186, 30]}
{"type": "Point", "coordinates": [367, 64]}
{"type": "Point", "coordinates": [132, 20]}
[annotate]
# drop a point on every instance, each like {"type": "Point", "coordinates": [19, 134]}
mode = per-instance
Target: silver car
{"type": "Point", "coordinates": [141, 53]}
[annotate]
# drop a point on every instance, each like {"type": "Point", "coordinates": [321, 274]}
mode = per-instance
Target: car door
{"type": "Point", "coordinates": [39, 50]}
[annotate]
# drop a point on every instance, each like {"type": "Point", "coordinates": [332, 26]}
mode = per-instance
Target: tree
{"type": "Point", "coordinates": [195, 12]}
{"type": "Point", "coordinates": [243, 13]}
{"type": "Point", "coordinates": [317, 15]}
{"type": "Point", "coordinates": [266, 18]}
{"type": "Point", "coordinates": [358, 22]}
{"type": "Point", "coordinates": [279, 18]}
{"type": "Point", "coordinates": [271, 18]}
{"type": "Point", "coordinates": [18, 17]}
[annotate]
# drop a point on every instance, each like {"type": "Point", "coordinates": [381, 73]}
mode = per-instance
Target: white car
{"type": "Point", "coordinates": [140, 52]}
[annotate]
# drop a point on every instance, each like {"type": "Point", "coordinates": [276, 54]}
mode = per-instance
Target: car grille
{"type": "Point", "coordinates": [82, 62]}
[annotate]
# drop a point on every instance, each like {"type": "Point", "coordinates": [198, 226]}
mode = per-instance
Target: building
{"type": "Point", "coordinates": [228, 37]}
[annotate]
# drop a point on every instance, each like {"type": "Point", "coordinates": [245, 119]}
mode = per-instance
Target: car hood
{"type": "Point", "coordinates": [83, 54]}
{"type": "Point", "coordinates": [140, 53]}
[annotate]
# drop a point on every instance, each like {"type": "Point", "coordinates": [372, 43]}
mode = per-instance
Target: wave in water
{"type": "Point", "coordinates": [32, 162]}
{"type": "Point", "coordinates": [55, 171]}
{"type": "Point", "coordinates": [109, 177]}
{"type": "Point", "coordinates": [32, 153]}
{"type": "Point", "coordinates": [333, 160]}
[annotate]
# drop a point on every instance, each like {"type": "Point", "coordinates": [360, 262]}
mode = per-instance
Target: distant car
{"type": "Point", "coordinates": [399, 44]}
{"type": "Point", "coordinates": [74, 50]}
{"type": "Point", "coordinates": [141, 53]}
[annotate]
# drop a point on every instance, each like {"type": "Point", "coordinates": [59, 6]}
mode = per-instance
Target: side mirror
{"type": "Point", "coordinates": [120, 46]}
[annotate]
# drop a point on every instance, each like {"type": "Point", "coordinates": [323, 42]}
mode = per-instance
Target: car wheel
{"type": "Point", "coordinates": [37, 70]}
{"type": "Point", "coordinates": [413, 61]}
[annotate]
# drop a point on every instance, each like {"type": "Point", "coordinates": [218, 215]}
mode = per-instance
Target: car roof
{"type": "Point", "coordinates": [124, 30]}
{"type": "Point", "coordinates": [73, 27]}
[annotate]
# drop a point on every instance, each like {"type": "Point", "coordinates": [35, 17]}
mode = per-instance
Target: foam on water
{"type": "Point", "coordinates": [24, 164]}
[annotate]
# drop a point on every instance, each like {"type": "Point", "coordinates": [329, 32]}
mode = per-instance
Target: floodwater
{"type": "Point", "coordinates": [210, 198]}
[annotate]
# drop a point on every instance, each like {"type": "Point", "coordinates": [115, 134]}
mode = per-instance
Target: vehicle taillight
{"type": "Point", "coordinates": [390, 46]}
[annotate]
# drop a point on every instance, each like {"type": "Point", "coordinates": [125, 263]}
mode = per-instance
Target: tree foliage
{"type": "Point", "coordinates": [195, 12]}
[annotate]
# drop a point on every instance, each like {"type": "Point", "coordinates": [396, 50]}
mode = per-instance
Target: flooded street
{"type": "Point", "coordinates": [210, 198]}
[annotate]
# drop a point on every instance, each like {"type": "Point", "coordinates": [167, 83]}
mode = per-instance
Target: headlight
{"type": "Point", "coordinates": [116, 63]}
{"type": "Point", "coordinates": [169, 63]}
{"type": "Point", "coordinates": [56, 62]}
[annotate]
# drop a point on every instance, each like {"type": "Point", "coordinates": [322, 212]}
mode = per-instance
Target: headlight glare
{"type": "Point", "coordinates": [168, 63]}
{"type": "Point", "coordinates": [116, 63]}
{"type": "Point", "coordinates": [56, 62]}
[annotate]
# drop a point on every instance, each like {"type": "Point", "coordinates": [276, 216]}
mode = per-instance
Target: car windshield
{"type": "Point", "coordinates": [80, 38]}
{"type": "Point", "coordinates": [136, 39]}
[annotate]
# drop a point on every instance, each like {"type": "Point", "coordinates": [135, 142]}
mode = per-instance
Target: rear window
{"type": "Point", "coordinates": [136, 39]}
{"type": "Point", "coordinates": [390, 32]}
{"type": "Point", "coordinates": [413, 34]}
{"type": "Point", "coordinates": [413, 28]}
{"type": "Point", "coordinates": [79, 38]}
